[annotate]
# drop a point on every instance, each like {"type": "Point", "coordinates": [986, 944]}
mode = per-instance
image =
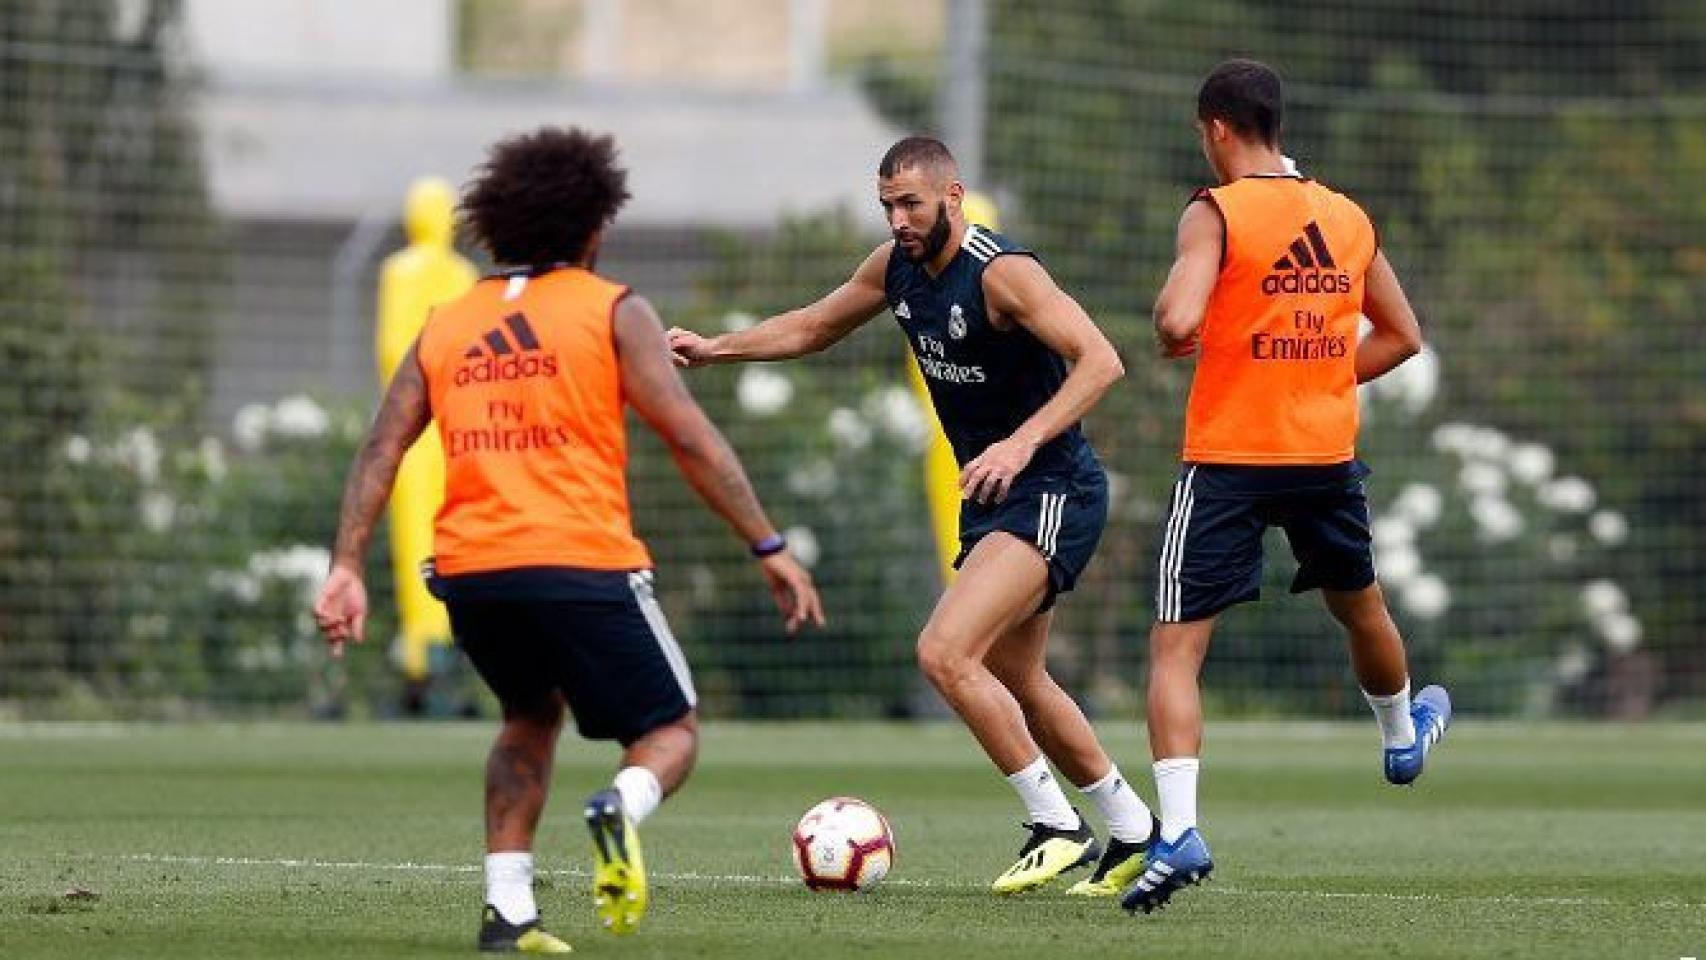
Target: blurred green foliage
{"type": "Point", "coordinates": [1534, 172]}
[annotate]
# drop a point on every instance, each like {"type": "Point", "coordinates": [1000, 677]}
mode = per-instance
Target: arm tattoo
{"type": "Point", "coordinates": [744, 509]}
{"type": "Point", "coordinates": [404, 414]}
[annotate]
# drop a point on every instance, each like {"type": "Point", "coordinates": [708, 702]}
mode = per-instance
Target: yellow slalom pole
{"type": "Point", "coordinates": [412, 281]}
{"type": "Point", "coordinates": [941, 478]}
{"type": "Point", "coordinates": [941, 470]}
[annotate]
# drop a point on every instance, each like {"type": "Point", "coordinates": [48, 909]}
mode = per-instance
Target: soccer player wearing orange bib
{"type": "Point", "coordinates": [549, 590]}
{"type": "Point", "coordinates": [1273, 277]}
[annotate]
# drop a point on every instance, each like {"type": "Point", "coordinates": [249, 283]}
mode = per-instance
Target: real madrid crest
{"type": "Point", "coordinates": [956, 322]}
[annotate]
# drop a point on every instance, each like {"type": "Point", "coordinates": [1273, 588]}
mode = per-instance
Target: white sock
{"type": "Point", "coordinates": [1042, 796]}
{"type": "Point", "coordinates": [509, 885]}
{"type": "Point", "coordinates": [640, 790]}
{"type": "Point", "coordinates": [1176, 789]}
{"type": "Point", "coordinates": [1393, 715]}
{"type": "Point", "coordinates": [1126, 814]}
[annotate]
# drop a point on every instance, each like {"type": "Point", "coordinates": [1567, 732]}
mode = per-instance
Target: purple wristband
{"type": "Point", "coordinates": [769, 546]}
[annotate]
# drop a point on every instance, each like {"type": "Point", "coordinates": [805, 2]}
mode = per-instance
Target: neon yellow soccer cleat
{"type": "Point", "coordinates": [498, 935]}
{"type": "Point", "coordinates": [618, 868]}
{"type": "Point", "coordinates": [1048, 853]}
{"type": "Point", "coordinates": [1121, 863]}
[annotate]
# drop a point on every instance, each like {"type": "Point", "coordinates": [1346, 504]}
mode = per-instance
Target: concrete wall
{"type": "Point", "coordinates": [398, 39]}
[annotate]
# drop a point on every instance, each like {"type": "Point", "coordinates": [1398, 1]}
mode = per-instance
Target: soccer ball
{"type": "Point", "coordinates": [843, 844]}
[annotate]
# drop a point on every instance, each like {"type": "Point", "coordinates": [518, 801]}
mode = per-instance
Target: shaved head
{"type": "Point", "coordinates": [927, 155]}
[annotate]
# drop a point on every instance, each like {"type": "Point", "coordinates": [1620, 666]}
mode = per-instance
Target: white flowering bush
{"type": "Point", "coordinates": [1502, 567]}
{"type": "Point", "coordinates": [201, 559]}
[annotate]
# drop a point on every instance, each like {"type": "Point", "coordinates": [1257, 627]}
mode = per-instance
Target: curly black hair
{"type": "Point", "coordinates": [539, 197]}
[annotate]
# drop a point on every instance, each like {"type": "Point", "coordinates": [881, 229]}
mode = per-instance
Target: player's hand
{"type": "Point", "coordinates": [341, 610]}
{"type": "Point", "coordinates": [688, 349]}
{"type": "Point", "coordinates": [796, 595]}
{"type": "Point", "coordinates": [988, 478]}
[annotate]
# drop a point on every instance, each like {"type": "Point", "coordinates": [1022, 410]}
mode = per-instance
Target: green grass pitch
{"type": "Point", "coordinates": [364, 841]}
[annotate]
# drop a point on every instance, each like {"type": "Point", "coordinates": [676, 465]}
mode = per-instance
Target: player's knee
{"type": "Point", "coordinates": [684, 746]}
{"type": "Point", "coordinates": [1176, 644]}
{"type": "Point", "coordinates": [945, 663]}
{"type": "Point", "coordinates": [677, 737]}
{"type": "Point", "coordinates": [687, 729]}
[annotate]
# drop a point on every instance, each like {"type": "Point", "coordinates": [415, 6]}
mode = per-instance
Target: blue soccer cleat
{"type": "Point", "coordinates": [1431, 713]}
{"type": "Point", "coordinates": [1170, 866]}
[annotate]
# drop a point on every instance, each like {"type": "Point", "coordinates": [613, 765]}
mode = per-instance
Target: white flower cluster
{"type": "Point", "coordinates": [1419, 506]}
{"type": "Point", "coordinates": [899, 414]}
{"type": "Point", "coordinates": [893, 410]}
{"type": "Point", "coordinates": [301, 564]}
{"type": "Point", "coordinates": [815, 479]}
{"type": "Point", "coordinates": [1410, 388]}
{"type": "Point", "coordinates": [1607, 609]}
{"type": "Point", "coordinates": [1491, 460]}
{"type": "Point", "coordinates": [140, 452]}
{"type": "Point", "coordinates": [763, 392]}
{"type": "Point", "coordinates": [296, 416]}
{"type": "Point", "coordinates": [848, 429]}
{"type": "Point", "coordinates": [802, 543]}
{"type": "Point", "coordinates": [1493, 467]}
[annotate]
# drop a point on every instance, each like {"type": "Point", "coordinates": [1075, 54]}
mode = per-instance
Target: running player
{"type": "Point", "coordinates": [994, 337]}
{"type": "Point", "coordinates": [1273, 276]}
{"type": "Point", "coordinates": [550, 592]}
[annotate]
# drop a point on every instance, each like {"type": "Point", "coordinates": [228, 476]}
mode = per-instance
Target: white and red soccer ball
{"type": "Point", "coordinates": [843, 844]}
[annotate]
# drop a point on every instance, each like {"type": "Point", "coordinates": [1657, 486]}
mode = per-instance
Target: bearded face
{"type": "Point", "coordinates": [924, 248]}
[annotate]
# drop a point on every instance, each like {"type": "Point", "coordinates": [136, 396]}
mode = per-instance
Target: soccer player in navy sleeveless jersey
{"type": "Point", "coordinates": [1012, 363]}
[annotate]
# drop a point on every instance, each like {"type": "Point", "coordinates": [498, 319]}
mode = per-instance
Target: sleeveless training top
{"type": "Point", "coordinates": [1276, 376]}
{"type": "Point", "coordinates": [527, 393]}
{"type": "Point", "coordinates": [983, 382]}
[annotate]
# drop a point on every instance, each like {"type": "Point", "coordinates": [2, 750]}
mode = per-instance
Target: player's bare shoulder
{"type": "Point", "coordinates": [1014, 284]}
{"type": "Point", "coordinates": [875, 266]}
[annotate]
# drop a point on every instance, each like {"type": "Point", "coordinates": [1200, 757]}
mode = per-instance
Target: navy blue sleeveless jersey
{"type": "Point", "coordinates": [984, 382]}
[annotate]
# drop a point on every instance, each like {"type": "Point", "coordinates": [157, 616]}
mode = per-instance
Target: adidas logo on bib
{"type": "Point", "coordinates": [1304, 268]}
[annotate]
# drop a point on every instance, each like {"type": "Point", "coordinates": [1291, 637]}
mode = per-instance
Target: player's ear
{"type": "Point", "coordinates": [956, 195]}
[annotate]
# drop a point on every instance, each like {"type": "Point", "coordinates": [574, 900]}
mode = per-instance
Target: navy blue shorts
{"type": "Point", "coordinates": [1062, 517]}
{"type": "Point", "coordinates": [598, 637]}
{"type": "Point", "coordinates": [1211, 554]}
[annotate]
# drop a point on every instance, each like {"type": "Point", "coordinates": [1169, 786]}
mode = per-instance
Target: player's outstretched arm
{"type": "Point", "coordinates": [1397, 336]}
{"type": "Point", "coordinates": [798, 332]}
{"type": "Point", "coordinates": [1183, 301]}
{"type": "Point", "coordinates": [1018, 290]}
{"type": "Point", "coordinates": [654, 389]}
{"type": "Point", "coordinates": [341, 609]}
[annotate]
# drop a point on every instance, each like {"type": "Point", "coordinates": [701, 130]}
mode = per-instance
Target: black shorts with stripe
{"type": "Point", "coordinates": [598, 637]}
{"type": "Point", "coordinates": [1211, 551]}
{"type": "Point", "coordinates": [1062, 516]}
